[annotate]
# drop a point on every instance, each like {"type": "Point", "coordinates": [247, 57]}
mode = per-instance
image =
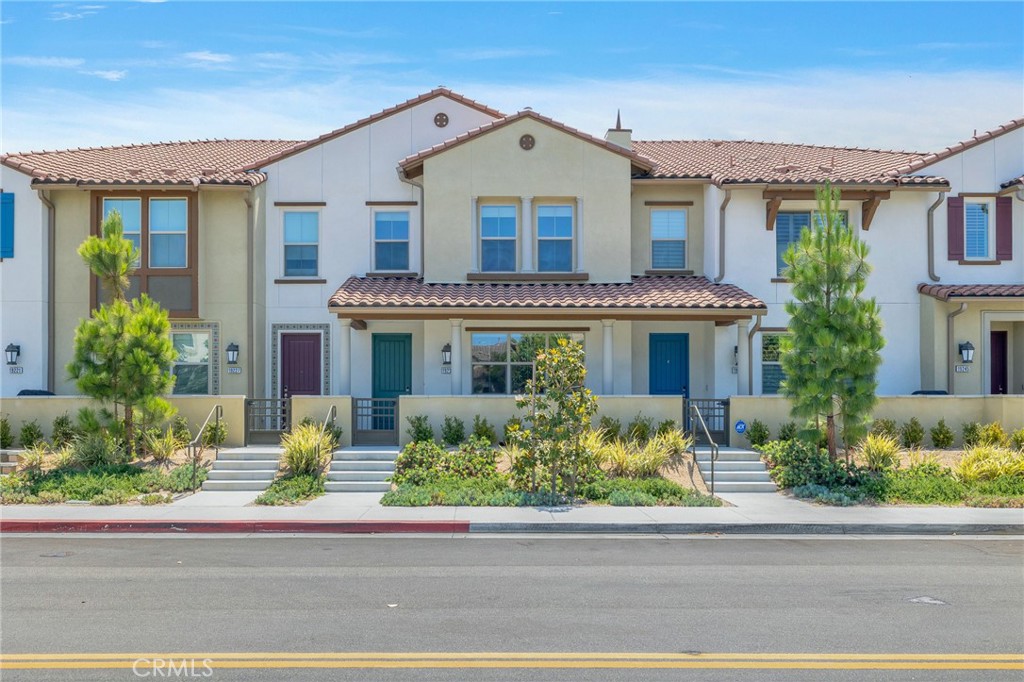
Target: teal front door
{"type": "Point", "coordinates": [670, 364]}
{"type": "Point", "coordinates": [392, 365]}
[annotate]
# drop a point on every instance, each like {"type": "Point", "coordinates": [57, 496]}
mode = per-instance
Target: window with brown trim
{"type": "Point", "coordinates": [164, 227]}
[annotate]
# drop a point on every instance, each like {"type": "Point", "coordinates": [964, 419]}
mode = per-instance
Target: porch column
{"type": "Point", "coordinates": [528, 237]}
{"type": "Point", "coordinates": [345, 357]}
{"type": "Point", "coordinates": [742, 358]}
{"type": "Point", "coordinates": [474, 232]}
{"type": "Point", "coordinates": [579, 234]}
{"type": "Point", "coordinates": [456, 357]}
{"type": "Point", "coordinates": [608, 361]}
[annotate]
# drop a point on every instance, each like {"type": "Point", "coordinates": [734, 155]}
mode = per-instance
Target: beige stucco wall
{"type": "Point", "coordinates": [956, 410]}
{"type": "Point", "coordinates": [71, 286]}
{"type": "Point", "coordinates": [641, 223]}
{"type": "Point", "coordinates": [317, 408]}
{"type": "Point", "coordinates": [194, 408]}
{"type": "Point", "coordinates": [494, 168]}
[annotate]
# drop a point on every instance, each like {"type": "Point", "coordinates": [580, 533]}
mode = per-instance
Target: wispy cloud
{"type": "Point", "coordinates": [113, 76]}
{"type": "Point", "coordinates": [207, 57]}
{"type": "Point", "coordinates": [949, 46]}
{"type": "Point", "coordinates": [69, 12]}
{"type": "Point", "coordinates": [861, 52]}
{"type": "Point", "coordinates": [44, 62]}
{"type": "Point", "coordinates": [485, 53]}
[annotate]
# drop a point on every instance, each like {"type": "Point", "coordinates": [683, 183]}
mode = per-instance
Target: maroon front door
{"type": "Point", "coordinates": [997, 351]}
{"type": "Point", "coordinates": [300, 364]}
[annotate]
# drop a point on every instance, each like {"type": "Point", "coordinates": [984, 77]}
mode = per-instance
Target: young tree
{"type": "Point", "coordinates": [560, 410]}
{"type": "Point", "coordinates": [123, 353]}
{"type": "Point", "coordinates": [831, 356]}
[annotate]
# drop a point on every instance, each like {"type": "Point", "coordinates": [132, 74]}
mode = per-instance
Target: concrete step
{"type": "Point", "coordinates": [733, 456]}
{"type": "Point", "coordinates": [722, 465]}
{"type": "Point", "coordinates": [371, 476]}
{"type": "Point", "coordinates": [241, 475]}
{"type": "Point", "coordinates": [251, 453]}
{"type": "Point", "coordinates": [736, 476]}
{"type": "Point", "coordinates": [732, 487]}
{"type": "Point", "coordinates": [366, 453]}
{"type": "Point", "coordinates": [236, 485]}
{"type": "Point", "coordinates": [356, 487]}
{"type": "Point", "coordinates": [363, 465]}
{"type": "Point", "coordinates": [244, 464]}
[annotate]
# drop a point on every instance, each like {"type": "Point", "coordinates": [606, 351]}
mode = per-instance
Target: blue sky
{"type": "Point", "coordinates": [892, 75]}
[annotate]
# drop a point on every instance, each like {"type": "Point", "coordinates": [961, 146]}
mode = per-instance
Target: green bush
{"type": "Point", "coordinates": [971, 433]}
{"type": "Point", "coordinates": [662, 490]}
{"type": "Point", "coordinates": [942, 435]}
{"type": "Point", "coordinates": [425, 462]}
{"type": "Point", "coordinates": [881, 453]}
{"type": "Point", "coordinates": [31, 460]}
{"type": "Point", "coordinates": [6, 436]}
{"type": "Point", "coordinates": [491, 490]}
{"type": "Point", "coordinates": [886, 427]}
{"type": "Point", "coordinates": [640, 429]}
{"type": "Point", "coordinates": [181, 431]}
{"type": "Point", "coordinates": [994, 435]}
{"type": "Point", "coordinates": [419, 430]}
{"type": "Point", "coordinates": [180, 478]}
{"type": "Point", "coordinates": [912, 434]}
{"type": "Point", "coordinates": [97, 449]}
{"type": "Point", "coordinates": [162, 446]}
{"type": "Point", "coordinates": [112, 497]}
{"type": "Point", "coordinates": [627, 498]}
{"type": "Point", "coordinates": [787, 431]}
{"type": "Point", "coordinates": [51, 497]}
{"type": "Point", "coordinates": [333, 429]}
{"type": "Point", "coordinates": [1017, 440]}
{"type": "Point", "coordinates": [610, 427]}
{"type": "Point", "coordinates": [797, 462]}
{"type": "Point", "coordinates": [819, 493]}
{"type": "Point", "coordinates": [512, 425]}
{"type": "Point", "coordinates": [214, 434]}
{"type": "Point", "coordinates": [484, 430]}
{"type": "Point", "coordinates": [921, 485]}
{"type": "Point", "coordinates": [63, 431]}
{"type": "Point", "coordinates": [155, 498]}
{"type": "Point", "coordinates": [292, 490]}
{"type": "Point", "coordinates": [453, 431]}
{"type": "Point", "coordinates": [30, 434]}
{"type": "Point", "coordinates": [986, 462]}
{"type": "Point", "coordinates": [307, 450]}
{"type": "Point", "coordinates": [666, 426]}
{"type": "Point", "coordinates": [758, 433]}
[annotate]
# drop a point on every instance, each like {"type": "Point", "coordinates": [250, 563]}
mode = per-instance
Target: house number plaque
{"type": "Point", "coordinates": [962, 369]}
{"type": "Point", "coordinates": [17, 370]}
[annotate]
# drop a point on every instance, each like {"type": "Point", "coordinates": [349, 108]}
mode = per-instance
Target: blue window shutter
{"type": "Point", "coordinates": [783, 236]}
{"type": "Point", "coordinates": [6, 225]}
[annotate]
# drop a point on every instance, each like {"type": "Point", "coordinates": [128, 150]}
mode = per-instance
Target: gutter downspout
{"type": "Point", "coordinates": [949, 346]}
{"type": "Point", "coordinates": [250, 228]}
{"type": "Point", "coordinates": [931, 237]}
{"type": "Point", "coordinates": [750, 353]}
{"type": "Point", "coordinates": [51, 287]}
{"type": "Point", "coordinates": [423, 246]}
{"type": "Point", "coordinates": [721, 236]}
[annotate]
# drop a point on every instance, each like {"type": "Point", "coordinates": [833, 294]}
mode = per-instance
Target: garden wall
{"type": "Point", "coordinates": [955, 409]}
{"type": "Point", "coordinates": [316, 407]}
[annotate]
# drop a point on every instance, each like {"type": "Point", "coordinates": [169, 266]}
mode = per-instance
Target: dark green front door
{"type": "Point", "coordinates": [392, 365]}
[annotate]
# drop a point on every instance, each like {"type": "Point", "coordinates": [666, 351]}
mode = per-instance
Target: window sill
{"type": "Point", "coordinates": [389, 273]}
{"type": "Point", "coordinates": [780, 280]}
{"type": "Point", "coordinates": [979, 262]}
{"type": "Point", "coordinates": [664, 271]}
{"type": "Point", "coordinates": [527, 277]}
{"type": "Point", "coordinates": [299, 280]}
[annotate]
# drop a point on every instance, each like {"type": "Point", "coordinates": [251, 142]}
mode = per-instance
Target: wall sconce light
{"type": "Point", "coordinates": [967, 352]}
{"type": "Point", "coordinates": [232, 351]}
{"type": "Point", "coordinates": [13, 352]}
{"type": "Point", "coordinates": [446, 355]}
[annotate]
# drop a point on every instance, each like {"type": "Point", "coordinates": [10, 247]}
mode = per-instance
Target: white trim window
{"type": "Point", "coordinates": [978, 223]}
{"type": "Point", "coordinates": [391, 241]}
{"type": "Point", "coordinates": [168, 233]}
{"type": "Point", "coordinates": [301, 243]}
{"type": "Point", "coordinates": [131, 219]}
{"type": "Point", "coordinates": [498, 238]}
{"type": "Point", "coordinates": [668, 239]}
{"type": "Point", "coordinates": [502, 362]}
{"type": "Point", "coordinates": [554, 238]}
{"type": "Point", "coordinates": [789, 225]}
{"type": "Point", "coordinates": [772, 373]}
{"type": "Point", "coordinates": [191, 368]}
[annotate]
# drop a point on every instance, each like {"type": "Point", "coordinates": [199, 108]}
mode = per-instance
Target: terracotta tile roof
{"type": "Point", "coordinates": [651, 292]}
{"type": "Point", "coordinates": [944, 292]}
{"type": "Point", "coordinates": [731, 162]}
{"type": "Point", "coordinates": [1015, 181]}
{"type": "Point", "coordinates": [928, 159]}
{"type": "Point", "coordinates": [410, 163]}
{"type": "Point", "coordinates": [194, 162]}
{"type": "Point", "coordinates": [419, 99]}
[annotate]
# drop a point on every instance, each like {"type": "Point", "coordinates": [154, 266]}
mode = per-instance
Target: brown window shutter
{"type": "Point", "coordinates": [1004, 228]}
{"type": "Point", "coordinates": [955, 228]}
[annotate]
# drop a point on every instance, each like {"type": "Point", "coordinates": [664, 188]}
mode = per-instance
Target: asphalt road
{"type": "Point", "coordinates": [474, 608]}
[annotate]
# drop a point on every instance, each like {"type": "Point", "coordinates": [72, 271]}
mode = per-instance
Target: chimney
{"type": "Point", "coordinates": [618, 135]}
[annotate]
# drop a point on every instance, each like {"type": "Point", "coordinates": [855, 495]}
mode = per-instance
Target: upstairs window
{"type": "Point", "coordinates": [131, 219]}
{"type": "Point", "coordinates": [668, 239]}
{"type": "Point", "coordinates": [168, 233]}
{"type": "Point", "coordinates": [977, 226]}
{"type": "Point", "coordinates": [301, 243]}
{"type": "Point", "coordinates": [391, 240]}
{"type": "Point", "coordinates": [554, 238]}
{"type": "Point", "coordinates": [498, 238]}
{"type": "Point", "coordinates": [789, 225]}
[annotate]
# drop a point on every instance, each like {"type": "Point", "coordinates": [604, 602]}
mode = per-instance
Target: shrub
{"type": "Point", "coordinates": [820, 493]}
{"type": "Point", "coordinates": [664, 491]}
{"type": "Point", "coordinates": [453, 431]}
{"type": "Point", "coordinates": [181, 431]}
{"type": "Point", "coordinates": [881, 453]}
{"type": "Point", "coordinates": [628, 498]}
{"type": "Point", "coordinates": [993, 434]}
{"type": "Point", "coordinates": [487, 491]}
{"type": "Point", "coordinates": [513, 425]}
{"type": "Point", "coordinates": [426, 462]}
{"type": "Point", "coordinates": [758, 433]}
{"type": "Point", "coordinates": [306, 450]}
{"type": "Point", "coordinates": [162, 446]}
{"type": "Point", "coordinates": [419, 429]}
{"type": "Point", "coordinates": [63, 431]}
{"type": "Point", "coordinates": [214, 434]}
{"type": "Point", "coordinates": [885, 427]}
{"type": "Point", "coordinates": [787, 431]}
{"type": "Point", "coordinates": [32, 458]}
{"type": "Point", "coordinates": [797, 462]}
{"type": "Point", "coordinates": [109, 497]}
{"type": "Point", "coordinates": [942, 435]}
{"type": "Point", "coordinates": [675, 442]}
{"type": "Point", "coordinates": [30, 434]}
{"type": "Point", "coordinates": [155, 498]}
{"type": "Point", "coordinates": [972, 434]}
{"type": "Point", "coordinates": [650, 458]}
{"type": "Point", "coordinates": [922, 484]}
{"type": "Point", "coordinates": [912, 434]}
{"type": "Point", "coordinates": [666, 426]}
{"type": "Point", "coordinates": [180, 478]}
{"type": "Point", "coordinates": [418, 462]}
{"type": "Point", "coordinates": [1017, 439]}
{"type": "Point", "coordinates": [6, 437]}
{"type": "Point", "coordinates": [984, 463]}
{"type": "Point", "coordinates": [610, 427]}
{"type": "Point", "coordinates": [483, 430]}
{"type": "Point", "coordinates": [292, 490]}
{"type": "Point", "coordinates": [96, 449]}
{"type": "Point", "coordinates": [50, 497]}
{"type": "Point", "coordinates": [64, 457]}
{"type": "Point", "coordinates": [333, 428]}
{"type": "Point", "coordinates": [640, 429]}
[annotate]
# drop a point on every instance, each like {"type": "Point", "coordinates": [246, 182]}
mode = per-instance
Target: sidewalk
{"type": "Point", "coordinates": [768, 513]}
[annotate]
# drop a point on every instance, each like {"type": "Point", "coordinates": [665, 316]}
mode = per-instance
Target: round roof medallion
{"type": "Point", "coordinates": [527, 142]}
{"type": "Point", "coordinates": [441, 120]}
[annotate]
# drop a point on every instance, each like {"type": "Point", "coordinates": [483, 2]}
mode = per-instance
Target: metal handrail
{"type": "Point", "coordinates": [707, 434]}
{"type": "Point", "coordinates": [332, 417]}
{"type": "Point", "coordinates": [194, 444]}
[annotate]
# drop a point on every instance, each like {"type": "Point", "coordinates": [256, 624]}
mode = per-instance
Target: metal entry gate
{"type": "Point", "coordinates": [375, 421]}
{"type": "Point", "coordinates": [716, 415]}
{"type": "Point", "coordinates": [266, 419]}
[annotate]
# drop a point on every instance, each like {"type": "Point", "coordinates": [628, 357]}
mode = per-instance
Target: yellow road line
{"type": "Point", "coordinates": [539, 655]}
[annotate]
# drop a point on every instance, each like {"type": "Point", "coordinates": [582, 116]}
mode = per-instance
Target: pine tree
{"type": "Point", "coordinates": [831, 356]}
{"type": "Point", "coordinates": [123, 353]}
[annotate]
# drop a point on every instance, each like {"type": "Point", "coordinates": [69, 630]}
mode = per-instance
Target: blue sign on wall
{"type": "Point", "coordinates": [741, 426]}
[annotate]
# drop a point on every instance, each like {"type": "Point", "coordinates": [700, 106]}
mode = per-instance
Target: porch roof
{"type": "Point", "coordinates": [944, 292]}
{"type": "Point", "coordinates": [688, 296]}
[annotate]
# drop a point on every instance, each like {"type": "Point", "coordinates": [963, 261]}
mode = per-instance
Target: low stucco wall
{"type": "Point", "coordinates": [316, 408]}
{"type": "Point", "coordinates": [194, 408]}
{"type": "Point", "coordinates": [955, 409]}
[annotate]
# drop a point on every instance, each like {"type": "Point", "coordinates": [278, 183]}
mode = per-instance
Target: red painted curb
{"type": "Point", "coordinates": [162, 526]}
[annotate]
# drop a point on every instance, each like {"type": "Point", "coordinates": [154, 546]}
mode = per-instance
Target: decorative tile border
{"type": "Point", "coordinates": [213, 328]}
{"type": "Point", "coordinates": [275, 350]}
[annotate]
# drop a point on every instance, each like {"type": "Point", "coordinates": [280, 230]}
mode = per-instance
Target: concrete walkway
{"type": "Point", "coordinates": [348, 512]}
